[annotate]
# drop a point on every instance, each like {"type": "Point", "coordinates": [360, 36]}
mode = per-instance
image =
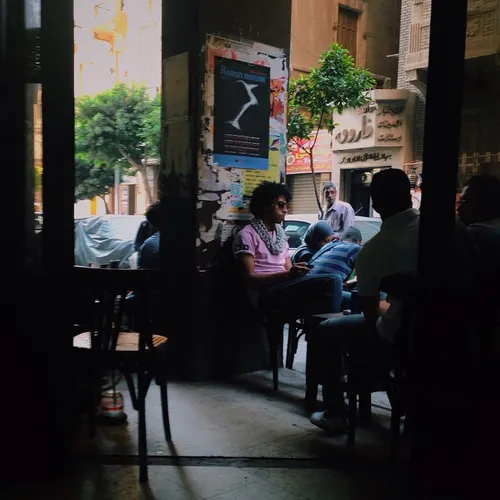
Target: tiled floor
{"type": "Point", "coordinates": [236, 441]}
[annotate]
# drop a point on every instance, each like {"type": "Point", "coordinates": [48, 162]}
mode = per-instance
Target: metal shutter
{"type": "Point", "coordinates": [303, 199]}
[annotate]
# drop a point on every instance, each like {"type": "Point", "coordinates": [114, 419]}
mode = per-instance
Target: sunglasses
{"type": "Point", "coordinates": [282, 205]}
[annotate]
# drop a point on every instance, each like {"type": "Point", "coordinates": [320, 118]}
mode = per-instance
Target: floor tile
{"type": "Point", "coordinates": [210, 481]}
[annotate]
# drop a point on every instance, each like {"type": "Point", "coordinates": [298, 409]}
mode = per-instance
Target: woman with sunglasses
{"type": "Point", "coordinates": [262, 251]}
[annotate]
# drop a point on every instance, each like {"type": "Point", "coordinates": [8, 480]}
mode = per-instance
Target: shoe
{"type": "Point", "coordinates": [334, 425]}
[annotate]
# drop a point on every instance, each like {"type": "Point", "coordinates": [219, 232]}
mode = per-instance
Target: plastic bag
{"type": "Point", "coordinates": [133, 260]}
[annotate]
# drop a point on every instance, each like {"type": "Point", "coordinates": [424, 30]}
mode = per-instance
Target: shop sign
{"type": "Point", "coordinates": [369, 158]}
{"type": "Point", "coordinates": [380, 123]}
{"type": "Point", "coordinates": [298, 161]}
{"type": "Point", "coordinates": [365, 158]}
{"type": "Point", "coordinates": [390, 123]}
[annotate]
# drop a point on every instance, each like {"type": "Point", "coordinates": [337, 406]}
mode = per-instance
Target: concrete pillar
{"type": "Point", "coordinates": [203, 320]}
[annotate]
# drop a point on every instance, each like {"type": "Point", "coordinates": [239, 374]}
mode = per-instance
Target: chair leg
{"type": "Point", "coordinates": [274, 329]}
{"type": "Point", "coordinates": [352, 420]}
{"type": "Point", "coordinates": [274, 366]}
{"type": "Point", "coordinates": [311, 377]}
{"type": "Point", "coordinates": [93, 397]}
{"type": "Point", "coordinates": [396, 414]}
{"type": "Point", "coordinates": [365, 407]}
{"type": "Point", "coordinates": [395, 432]}
{"type": "Point", "coordinates": [132, 391]}
{"type": "Point", "coordinates": [164, 409]}
{"type": "Point", "coordinates": [291, 345]}
{"type": "Point", "coordinates": [143, 447]}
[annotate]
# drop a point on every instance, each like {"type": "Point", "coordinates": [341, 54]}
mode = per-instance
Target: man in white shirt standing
{"type": "Point", "coordinates": [339, 214]}
{"type": "Point", "coordinates": [394, 250]}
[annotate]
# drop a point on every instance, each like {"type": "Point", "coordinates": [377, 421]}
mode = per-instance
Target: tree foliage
{"type": "Point", "coordinates": [120, 126]}
{"type": "Point", "coordinates": [334, 86]}
{"type": "Point", "coordinates": [92, 179]}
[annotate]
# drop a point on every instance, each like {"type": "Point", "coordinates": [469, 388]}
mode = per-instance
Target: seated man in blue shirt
{"type": "Point", "coordinates": [338, 257]}
{"type": "Point", "coordinates": [149, 253]}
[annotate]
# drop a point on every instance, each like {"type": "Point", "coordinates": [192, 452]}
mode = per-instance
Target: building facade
{"type": "Point", "coordinates": [480, 142]}
{"type": "Point", "coordinates": [370, 31]}
{"type": "Point", "coordinates": [377, 136]}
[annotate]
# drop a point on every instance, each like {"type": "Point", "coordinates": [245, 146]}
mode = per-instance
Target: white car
{"type": "Point", "coordinates": [296, 226]}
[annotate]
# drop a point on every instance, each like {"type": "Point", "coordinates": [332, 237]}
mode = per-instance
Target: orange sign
{"type": "Point", "coordinates": [298, 161]}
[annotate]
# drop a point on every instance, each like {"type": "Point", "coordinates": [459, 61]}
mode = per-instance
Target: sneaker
{"type": "Point", "coordinates": [332, 424]}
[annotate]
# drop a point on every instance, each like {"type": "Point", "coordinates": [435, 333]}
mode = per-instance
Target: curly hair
{"type": "Point", "coordinates": [264, 196]}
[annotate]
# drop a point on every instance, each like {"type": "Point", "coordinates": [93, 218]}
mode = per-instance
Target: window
{"type": "Point", "coordinates": [347, 34]}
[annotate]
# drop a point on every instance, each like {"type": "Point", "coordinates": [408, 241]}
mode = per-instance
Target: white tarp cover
{"type": "Point", "coordinates": [101, 239]}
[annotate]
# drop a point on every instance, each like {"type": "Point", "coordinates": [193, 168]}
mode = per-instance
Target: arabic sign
{"type": "Point", "coordinates": [355, 130]}
{"type": "Point", "coordinates": [298, 161]}
{"type": "Point", "coordinates": [355, 135]}
{"type": "Point", "coordinates": [390, 123]}
{"type": "Point", "coordinates": [380, 123]}
{"type": "Point", "coordinates": [365, 157]}
{"type": "Point", "coordinates": [377, 157]}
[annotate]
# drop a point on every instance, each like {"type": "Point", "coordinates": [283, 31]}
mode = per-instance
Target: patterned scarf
{"type": "Point", "coordinates": [275, 247]}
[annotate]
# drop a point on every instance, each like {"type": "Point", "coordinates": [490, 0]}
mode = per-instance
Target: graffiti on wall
{"type": "Point", "coordinates": [224, 191]}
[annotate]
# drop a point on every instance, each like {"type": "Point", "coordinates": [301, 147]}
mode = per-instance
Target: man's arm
{"type": "Point", "coordinates": [253, 280]}
{"type": "Point", "coordinates": [372, 308]}
{"type": "Point", "coordinates": [349, 217]}
{"type": "Point", "coordinates": [368, 286]}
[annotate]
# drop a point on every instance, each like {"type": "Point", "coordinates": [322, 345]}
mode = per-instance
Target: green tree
{"type": "Point", "coordinates": [120, 126]}
{"type": "Point", "coordinates": [335, 85]}
{"type": "Point", "coordinates": [92, 179]}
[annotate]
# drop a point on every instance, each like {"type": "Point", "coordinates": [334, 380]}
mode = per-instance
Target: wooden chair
{"type": "Point", "coordinates": [105, 344]}
{"type": "Point", "coordinates": [274, 321]}
{"type": "Point", "coordinates": [389, 374]}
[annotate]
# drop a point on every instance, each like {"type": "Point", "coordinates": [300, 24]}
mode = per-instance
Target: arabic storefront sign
{"type": "Point", "coordinates": [368, 158]}
{"type": "Point", "coordinates": [355, 135]}
{"type": "Point", "coordinates": [298, 161]}
{"type": "Point", "coordinates": [365, 158]}
{"type": "Point", "coordinates": [390, 123]}
{"type": "Point", "coordinates": [380, 123]}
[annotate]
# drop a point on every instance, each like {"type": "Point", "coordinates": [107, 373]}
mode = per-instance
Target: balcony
{"type": "Point", "coordinates": [417, 60]}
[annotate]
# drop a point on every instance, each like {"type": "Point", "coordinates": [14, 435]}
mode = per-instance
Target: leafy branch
{"type": "Point", "coordinates": [334, 86]}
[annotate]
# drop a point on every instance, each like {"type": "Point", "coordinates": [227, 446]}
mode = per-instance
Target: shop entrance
{"type": "Point", "coordinates": [355, 184]}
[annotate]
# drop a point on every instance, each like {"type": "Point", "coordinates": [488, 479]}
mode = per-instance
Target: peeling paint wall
{"type": "Point", "coordinates": [224, 193]}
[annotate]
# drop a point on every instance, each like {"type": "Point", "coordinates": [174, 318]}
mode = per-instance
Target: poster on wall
{"type": "Point", "coordinates": [241, 114]}
{"type": "Point", "coordinates": [298, 160]}
{"type": "Point", "coordinates": [225, 187]}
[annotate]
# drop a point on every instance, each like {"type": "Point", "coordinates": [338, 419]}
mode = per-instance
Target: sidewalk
{"type": "Point", "coordinates": [237, 440]}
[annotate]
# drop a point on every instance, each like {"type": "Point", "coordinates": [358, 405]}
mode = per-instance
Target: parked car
{"type": "Point", "coordinates": [101, 239]}
{"type": "Point", "coordinates": [296, 226]}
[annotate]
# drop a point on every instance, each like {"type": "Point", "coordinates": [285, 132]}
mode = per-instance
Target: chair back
{"type": "Point", "coordinates": [104, 292]}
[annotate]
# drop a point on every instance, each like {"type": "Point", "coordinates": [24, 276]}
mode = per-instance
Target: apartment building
{"type": "Point", "coordinates": [480, 148]}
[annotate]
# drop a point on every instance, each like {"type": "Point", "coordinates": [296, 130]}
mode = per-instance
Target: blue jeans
{"type": "Point", "coordinates": [305, 295]}
{"type": "Point", "coordinates": [337, 336]}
